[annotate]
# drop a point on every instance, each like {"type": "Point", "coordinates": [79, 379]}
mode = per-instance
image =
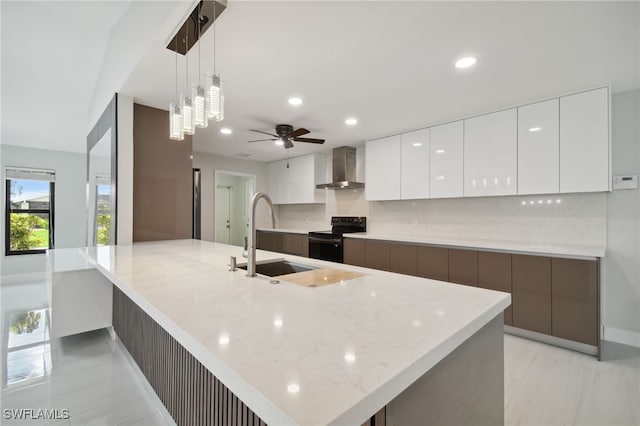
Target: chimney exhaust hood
{"type": "Point", "coordinates": [344, 170]}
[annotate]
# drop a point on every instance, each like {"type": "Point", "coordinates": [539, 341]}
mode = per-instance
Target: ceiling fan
{"type": "Point", "coordinates": [286, 134]}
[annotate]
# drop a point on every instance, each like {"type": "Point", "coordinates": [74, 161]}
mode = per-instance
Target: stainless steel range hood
{"type": "Point", "coordinates": [344, 170]}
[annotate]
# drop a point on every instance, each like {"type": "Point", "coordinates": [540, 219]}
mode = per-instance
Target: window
{"type": "Point", "coordinates": [29, 224]}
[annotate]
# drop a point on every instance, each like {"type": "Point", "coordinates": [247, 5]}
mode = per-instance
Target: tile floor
{"type": "Point", "coordinates": [97, 381]}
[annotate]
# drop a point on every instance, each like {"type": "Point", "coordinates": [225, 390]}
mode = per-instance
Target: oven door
{"type": "Point", "coordinates": [326, 247]}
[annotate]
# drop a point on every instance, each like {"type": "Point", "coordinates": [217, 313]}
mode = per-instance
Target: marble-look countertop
{"type": "Point", "coordinates": [328, 355]}
{"type": "Point", "coordinates": [69, 259]}
{"type": "Point", "coordinates": [291, 230]}
{"type": "Point", "coordinates": [573, 251]}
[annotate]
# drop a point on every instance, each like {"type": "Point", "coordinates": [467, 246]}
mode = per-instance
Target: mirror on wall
{"type": "Point", "coordinates": [100, 204]}
{"type": "Point", "coordinates": [101, 180]}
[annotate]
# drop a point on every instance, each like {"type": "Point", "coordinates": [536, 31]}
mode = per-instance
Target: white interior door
{"type": "Point", "coordinates": [223, 214]}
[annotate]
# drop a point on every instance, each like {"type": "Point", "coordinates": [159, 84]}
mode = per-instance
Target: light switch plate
{"type": "Point", "coordinates": [625, 182]}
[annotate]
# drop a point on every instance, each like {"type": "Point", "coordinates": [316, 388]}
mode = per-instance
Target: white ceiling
{"type": "Point", "coordinates": [390, 64]}
{"type": "Point", "coordinates": [51, 55]}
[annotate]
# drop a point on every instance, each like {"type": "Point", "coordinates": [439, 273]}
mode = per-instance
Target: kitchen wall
{"type": "Point", "coordinates": [162, 179]}
{"type": "Point", "coordinates": [70, 202]}
{"type": "Point", "coordinates": [208, 164]}
{"type": "Point", "coordinates": [621, 265]}
{"type": "Point", "coordinates": [568, 218]}
{"type": "Point", "coordinates": [611, 219]}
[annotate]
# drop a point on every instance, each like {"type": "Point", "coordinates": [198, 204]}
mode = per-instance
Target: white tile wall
{"type": "Point", "coordinates": [577, 219]}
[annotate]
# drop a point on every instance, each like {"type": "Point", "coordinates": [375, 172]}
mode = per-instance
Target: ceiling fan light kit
{"type": "Point", "coordinates": [285, 135]}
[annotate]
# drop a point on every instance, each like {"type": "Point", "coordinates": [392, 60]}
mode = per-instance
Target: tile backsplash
{"type": "Point", "coordinates": [565, 218]}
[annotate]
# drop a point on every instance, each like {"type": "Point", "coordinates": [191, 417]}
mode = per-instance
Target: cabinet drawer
{"type": "Point", "coordinates": [403, 258]}
{"type": "Point", "coordinates": [297, 244]}
{"type": "Point", "coordinates": [494, 273]}
{"type": "Point", "coordinates": [532, 293]}
{"type": "Point", "coordinates": [433, 262]}
{"type": "Point", "coordinates": [354, 252]}
{"type": "Point", "coordinates": [463, 267]}
{"type": "Point", "coordinates": [376, 255]}
{"type": "Point", "coordinates": [574, 292]}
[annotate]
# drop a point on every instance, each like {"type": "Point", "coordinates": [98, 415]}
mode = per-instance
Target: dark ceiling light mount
{"type": "Point", "coordinates": [188, 35]}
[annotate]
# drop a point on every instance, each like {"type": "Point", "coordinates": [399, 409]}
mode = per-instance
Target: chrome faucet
{"type": "Point", "coordinates": [251, 260]}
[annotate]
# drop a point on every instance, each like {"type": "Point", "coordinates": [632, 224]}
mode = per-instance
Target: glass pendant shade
{"type": "Point", "coordinates": [199, 110]}
{"type": "Point", "coordinates": [176, 131]}
{"type": "Point", "coordinates": [221, 115]}
{"type": "Point", "coordinates": [214, 98]}
{"type": "Point", "coordinates": [188, 124]}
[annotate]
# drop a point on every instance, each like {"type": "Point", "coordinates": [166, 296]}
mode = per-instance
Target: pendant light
{"type": "Point", "coordinates": [215, 98]}
{"type": "Point", "coordinates": [176, 131]}
{"type": "Point", "coordinates": [186, 104]}
{"type": "Point", "coordinates": [200, 118]}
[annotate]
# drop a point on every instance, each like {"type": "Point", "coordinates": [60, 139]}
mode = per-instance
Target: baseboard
{"type": "Point", "coordinates": [552, 340]}
{"type": "Point", "coordinates": [618, 335]}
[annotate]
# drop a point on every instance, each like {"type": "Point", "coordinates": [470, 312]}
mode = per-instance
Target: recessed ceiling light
{"type": "Point", "coordinates": [226, 131]}
{"type": "Point", "coordinates": [535, 129]}
{"type": "Point", "coordinates": [350, 357]}
{"type": "Point", "coordinates": [351, 121]}
{"type": "Point", "coordinates": [440, 151]}
{"type": "Point", "coordinates": [295, 101]}
{"type": "Point", "coordinates": [293, 388]}
{"type": "Point", "coordinates": [417, 144]}
{"type": "Point", "coordinates": [279, 142]}
{"type": "Point", "coordinates": [466, 62]}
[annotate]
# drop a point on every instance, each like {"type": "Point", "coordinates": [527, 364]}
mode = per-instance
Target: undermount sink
{"type": "Point", "coordinates": [274, 268]}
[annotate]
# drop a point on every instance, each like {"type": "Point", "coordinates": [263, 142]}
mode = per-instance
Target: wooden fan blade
{"type": "Point", "coordinates": [261, 140]}
{"type": "Point", "coordinates": [287, 143]}
{"type": "Point", "coordinates": [298, 132]}
{"type": "Point", "coordinates": [266, 133]}
{"type": "Point", "coordinates": [310, 140]}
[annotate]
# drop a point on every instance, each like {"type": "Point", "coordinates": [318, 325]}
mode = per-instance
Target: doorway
{"type": "Point", "coordinates": [233, 193]}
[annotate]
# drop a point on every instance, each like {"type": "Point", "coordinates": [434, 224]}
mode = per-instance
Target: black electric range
{"type": "Point", "coordinates": [329, 245]}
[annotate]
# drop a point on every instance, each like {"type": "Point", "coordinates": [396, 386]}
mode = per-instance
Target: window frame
{"type": "Point", "coordinates": [7, 222]}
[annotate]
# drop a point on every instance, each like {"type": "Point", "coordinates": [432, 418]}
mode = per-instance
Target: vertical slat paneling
{"type": "Point", "coordinates": [191, 394]}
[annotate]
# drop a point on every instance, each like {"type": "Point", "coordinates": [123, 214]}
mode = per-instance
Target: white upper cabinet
{"type": "Point", "coordinates": [538, 148]}
{"type": "Point", "coordinates": [584, 141]}
{"type": "Point", "coordinates": [382, 169]}
{"type": "Point", "coordinates": [414, 165]}
{"type": "Point", "coordinates": [278, 181]}
{"type": "Point", "coordinates": [446, 159]}
{"type": "Point", "coordinates": [296, 184]}
{"type": "Point", "coordinates": [304, 174]}
{"type": "Point", "coordinates": [490, 154]}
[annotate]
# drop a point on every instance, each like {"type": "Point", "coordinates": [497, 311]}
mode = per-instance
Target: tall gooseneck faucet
{"type": "Point", "coordinates": [251, 260]}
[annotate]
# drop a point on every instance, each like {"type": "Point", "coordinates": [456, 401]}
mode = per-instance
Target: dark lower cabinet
{"type": "Point", "coordinates": [376, 255]}
{"type": "Point", "coordinates": [403, 258]}
{"type": "Point", "coordinates": [494, 273]}
{"type": "Point", "coordinates": [271, 241]}
{"type": "Point", "coordinates": [553, 296]}
{"type": "Point", "coordinates": [296, 244]}
{"type": "Point", "coordinates": [433, 262]}
{"type": "Point", "coordinates": [574, 295]}
{"type": "Point", "coordinates": [463, 267]}
{"type": "Point", "coordinates": [531, 292]}
{"type": "Point", "coordinates": [354, 251]}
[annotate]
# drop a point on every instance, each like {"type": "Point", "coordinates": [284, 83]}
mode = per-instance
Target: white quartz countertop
{"type": "Point", "coordinates": [69, 259]}
{"type": "Point", "coordinates": [295, 355]}
{"type": "Point", "coordinates": [289, 230]}
{"type": "Point", "coordinates": [533, 248]}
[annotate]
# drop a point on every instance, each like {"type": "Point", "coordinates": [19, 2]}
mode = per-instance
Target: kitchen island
{"type": "Point", "coordinates": [221, 348]}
